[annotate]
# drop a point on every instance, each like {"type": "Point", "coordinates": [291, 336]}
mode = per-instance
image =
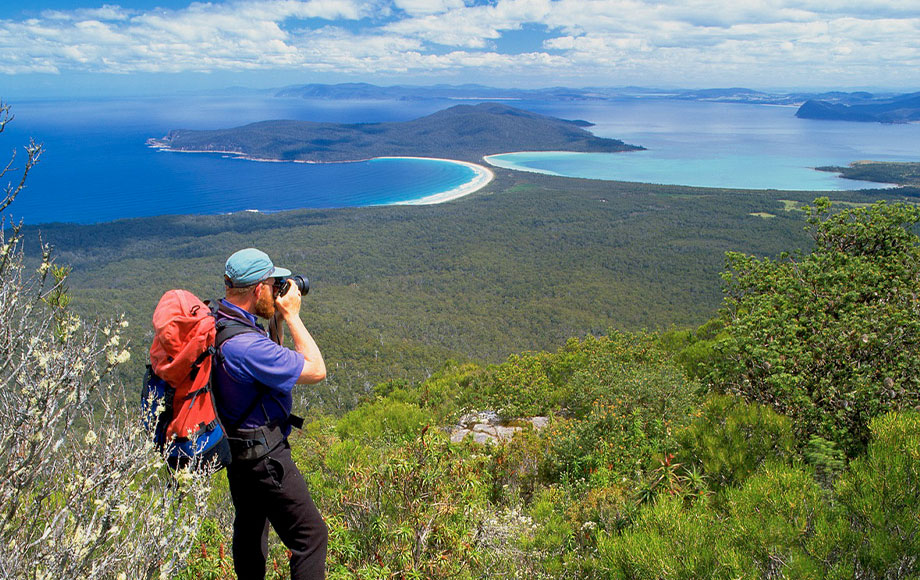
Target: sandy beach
{"type": "Point", "coordinates": [483, 177]}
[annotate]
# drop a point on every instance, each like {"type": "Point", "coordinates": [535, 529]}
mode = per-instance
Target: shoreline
{"type": "Point", "coordinates": [482, 175]}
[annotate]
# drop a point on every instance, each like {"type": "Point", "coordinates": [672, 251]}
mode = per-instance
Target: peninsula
{"type": "Point", "coordinates": [904, 174]}
{"type": "Point", "coordinates": [462, 132]}
{"type": "Point", "coordinates": [864, 107]}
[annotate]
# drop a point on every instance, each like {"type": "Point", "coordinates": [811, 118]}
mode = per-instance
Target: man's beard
{"type": "Point", "coordinates": [265, 305]}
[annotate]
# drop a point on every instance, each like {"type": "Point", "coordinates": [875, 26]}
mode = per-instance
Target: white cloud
{"type": "Point", "coordinates": [601, 41]}
{"type": "Point", "coordinates": [106, 12]}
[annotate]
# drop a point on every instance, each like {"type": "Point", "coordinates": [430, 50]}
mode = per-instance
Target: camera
{"type": "Point", "coordinates": [302, 283]}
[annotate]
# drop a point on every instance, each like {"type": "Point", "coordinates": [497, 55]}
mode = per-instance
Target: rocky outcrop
{"type": "Point", "coordinates": [487, 428]}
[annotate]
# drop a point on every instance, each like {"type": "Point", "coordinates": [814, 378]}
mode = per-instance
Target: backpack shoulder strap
{"type": "Point", "coordinates": [228, 326]}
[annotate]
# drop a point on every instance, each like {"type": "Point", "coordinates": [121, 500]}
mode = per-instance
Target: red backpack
{"type": "Point", "coordinates": [177, 398]}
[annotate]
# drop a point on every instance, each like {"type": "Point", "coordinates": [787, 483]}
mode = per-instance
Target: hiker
{"type": "Point", "coordinates": [253, 379]}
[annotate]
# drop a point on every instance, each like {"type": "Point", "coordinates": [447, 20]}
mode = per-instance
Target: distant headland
{"type": "Point", "coordinates": [864, 107]}
{"type": "Point", "coordinates": [462, 132]}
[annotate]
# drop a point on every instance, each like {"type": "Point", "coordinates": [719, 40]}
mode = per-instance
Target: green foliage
{"type": "Point", "coordinates": [443, 393]}
{"type": "Point", "coordinates": [628, 369]}
{"type": "Point", "coordinates": [515, 467]}
{"type": "Point", "coordinates": [695, 351]}
{"type": "Point", "coordinates": [781, 522]}
{"type": "Point", "coordinates": [615, 399]}
{"type": "Point", "coordinates": [383, 420]}
{"type": "Point", "coordinates": [554, 537]}
{"type": "Point", "coordinates": [881, 496]}
{"type": "Point", "coordinates": [211, 560]}
{"type": "Point", "coordinates": [825, 457]}
{"type": "Point", "coordinates": [730, 440]}
{"type": "Point", "coordinates": [410, 516]}
{"type": "Point", "coordinates": [611, 443]}
{"type": "Point", "coordinates": [829, 338]}
{"type": "Point", "coordinates": [669, 540]}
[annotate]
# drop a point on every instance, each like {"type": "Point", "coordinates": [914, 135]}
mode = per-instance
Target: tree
{"type": "Point", "coordinates": [82, 492]}
{"type": "Point", "coordinates": [829, 338]}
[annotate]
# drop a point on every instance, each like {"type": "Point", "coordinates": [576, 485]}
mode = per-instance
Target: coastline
{"type": "Point", "coordinates": [483, 175]}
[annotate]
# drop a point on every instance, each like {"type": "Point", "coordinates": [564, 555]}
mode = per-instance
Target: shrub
{"type": "Point", "coordinates": [515, 465]}
{"type": "Point", "coordinates": [829, 338]}
{"type": "Point", "coordinates": [781, 522]}
{"type": "Point", "coordinates": [553, 537]}
{"type": "Point", "coordinates": [881, 497]}
{"type": "Point", "coordinates": [671, 541]}
{"type": "Point", "coordinates": [730, 439]}
{"type": "Point", "coordinates": [695, 351]}
{"type": "Point", "coordinates": [570, 380]}
{"type": "Point", "coordinates": [446, 392]}
{"type": "Point", "coordinates": [383, 420]}
{"type": "Point", "coordinates": [520, 387]}
{"type": "Point", "coordinates": [413, 513]}
{"type": "Point", "coordinates": [614, 442]}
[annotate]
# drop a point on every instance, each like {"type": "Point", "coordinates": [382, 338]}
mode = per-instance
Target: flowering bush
{"type": "Point", "coordinates": [83, 493]}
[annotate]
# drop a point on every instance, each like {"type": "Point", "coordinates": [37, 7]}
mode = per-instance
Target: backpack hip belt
{"type": "Point", "coordinates": [254, 444]}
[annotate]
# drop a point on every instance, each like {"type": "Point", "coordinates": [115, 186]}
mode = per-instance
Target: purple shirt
{"type": "Point", "coordinates": [253, 367]}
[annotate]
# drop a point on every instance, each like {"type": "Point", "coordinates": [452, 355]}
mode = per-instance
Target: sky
{"type": "Point", "coordinates": [60, 47]}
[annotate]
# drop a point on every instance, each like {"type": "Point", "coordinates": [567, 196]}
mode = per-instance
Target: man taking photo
{"type": "Point", "coordinates": [253, 382]}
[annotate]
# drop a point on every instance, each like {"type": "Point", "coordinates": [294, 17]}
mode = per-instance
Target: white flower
{"type": "Point", "coordinates": [90, 438]}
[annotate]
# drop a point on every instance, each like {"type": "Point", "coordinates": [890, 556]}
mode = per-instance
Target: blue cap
{"type": "Point", "coordinates": [251, 266]}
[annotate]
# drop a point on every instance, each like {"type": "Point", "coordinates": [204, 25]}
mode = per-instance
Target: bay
{"type": "Point", "coordinates": [97, 166]}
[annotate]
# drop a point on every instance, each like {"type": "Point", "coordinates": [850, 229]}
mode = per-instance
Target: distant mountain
{"type": "Point", "coordinates": [471, 92]}
{"type": "Point", "coordinates": [365, 91]}
{"type": "Point", "coordinates": [466, 132]}
{"type": "Point", "coordinates": [865, 108]}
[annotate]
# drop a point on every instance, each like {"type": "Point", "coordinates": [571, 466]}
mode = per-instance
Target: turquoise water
{"type": "Point", "coordinates": [729, 171]}
{"type": "Point", "coordinates": [720, 145]}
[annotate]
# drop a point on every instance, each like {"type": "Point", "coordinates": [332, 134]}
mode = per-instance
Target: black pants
{"type": "Point", "coordinates": [272, 490]}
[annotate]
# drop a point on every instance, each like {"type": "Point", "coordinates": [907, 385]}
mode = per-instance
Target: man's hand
{"type": "Point", "coordinates": [288, 304]}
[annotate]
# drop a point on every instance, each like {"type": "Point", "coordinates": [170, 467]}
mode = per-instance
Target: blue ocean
{"type": "Point", "coordinates": [97, 166]}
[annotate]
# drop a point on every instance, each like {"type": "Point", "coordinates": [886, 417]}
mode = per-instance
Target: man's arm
{"type": "Point", "coordinates": [314, 369]}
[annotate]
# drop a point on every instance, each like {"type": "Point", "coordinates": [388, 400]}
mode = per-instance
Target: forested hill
{"type": "Point", "coordinates": [900, 109]}
{"type": "Point", "coordinates": [465, 132]}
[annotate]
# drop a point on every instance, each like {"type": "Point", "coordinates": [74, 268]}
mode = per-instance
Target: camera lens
{"type": "Point", "coordinates": [303, 284]}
